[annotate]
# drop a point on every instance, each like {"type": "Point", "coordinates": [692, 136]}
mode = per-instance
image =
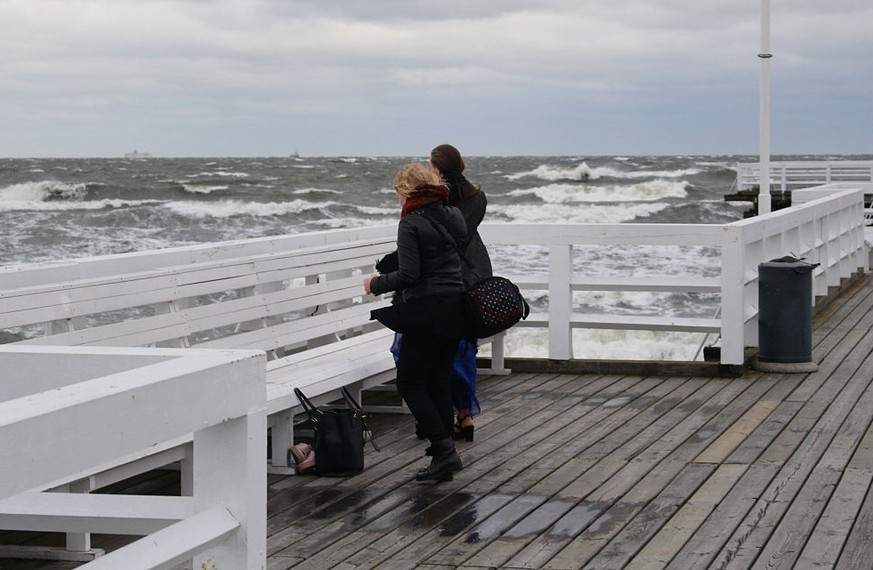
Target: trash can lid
{"type": "Point", "coordinates": [789, 263]}
{"type": "Point", "coordinates": [786, 259]}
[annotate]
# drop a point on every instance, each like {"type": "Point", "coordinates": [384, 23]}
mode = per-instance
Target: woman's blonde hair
{"type": "Point", "coordinates": [412, 176]}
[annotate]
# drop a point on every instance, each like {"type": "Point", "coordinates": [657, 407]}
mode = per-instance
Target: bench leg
{"type": "Point", "coordinates": [79, 543]}
{"type": "Point", "coordinates": [186, 471]}
{"type": "Point", "coordinates": [282, 437]}
{"type": "Point", "coordinates": [498, 364]}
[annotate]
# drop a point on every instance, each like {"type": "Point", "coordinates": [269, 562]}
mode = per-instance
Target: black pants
{"type": "Point", "coordinates": [423, 371]}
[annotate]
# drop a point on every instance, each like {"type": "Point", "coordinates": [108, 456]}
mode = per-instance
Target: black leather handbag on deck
{"type": "Point", "coordinates": [339, 436]}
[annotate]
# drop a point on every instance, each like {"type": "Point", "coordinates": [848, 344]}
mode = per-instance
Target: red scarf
{"type": "Point", "coordinates": [423, 195]}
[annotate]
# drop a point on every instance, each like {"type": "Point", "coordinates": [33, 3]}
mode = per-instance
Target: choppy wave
{"type": "Point", "coordinates": [578, 214]}
{"type": "Point", "coordinates": [68, 206]}
{"type": "Point", "coordinates": [221, 174]}
{"type": "Point", "coordinates": [304, 191]}
{"type": "Point", "coordinates": [377, 210]}
{"type": "Point", "coordinates": [643, 192]}
{"type": "Point", "coordinates": [43, 190]}
{"type": "Point", "coordinates": [341, 223]}
{"type": "Point", "coordinates": [230, 208]}
{"type": "Point", "coordinates": [195, 189]}
{"type": "Point", "coordinates": [51, 195]}
{"type": "Point", "coordinates": [583, 172]}
{"type": "Point", "coordinates": [554, 173]}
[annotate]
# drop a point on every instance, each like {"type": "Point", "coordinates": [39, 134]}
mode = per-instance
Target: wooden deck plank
{"type": "Point", "coordinates": [640, 480]}
{"type": "Point", "coordinates": [498, 465]}
{"type": "Point", "coordinates": [381, 475]}
{"type": "Point", "coordinates": [818, 421]}
{"type": "Point", "coordinates": [856, 551]}
{"type": "Point", "coordinates": [522, 404]}
{"type": "Point", "coordinates": [661, 548]}
{"type": "Point", "coordinates": [558, 473]}
{"type": "Point", "coordinates": [652, 518]}
{"type": "Point", "coordinates": [603, 459]}
{"type": "Point", "coordinates": [849, 488]}
{"type": "Point", "coordinates": [703, 546]}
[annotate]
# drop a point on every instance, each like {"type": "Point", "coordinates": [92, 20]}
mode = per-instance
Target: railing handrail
{"type": "Point", "coordinates": [785, 175]}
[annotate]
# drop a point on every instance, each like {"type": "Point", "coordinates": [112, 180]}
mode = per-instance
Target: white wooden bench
{"type": "Point", "coordinates": [305, 307]}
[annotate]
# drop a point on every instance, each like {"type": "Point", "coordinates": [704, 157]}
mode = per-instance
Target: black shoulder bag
{"type": "Point", "coordinates": [339, 436]}
{"type": "Point", "coordinates": [494, 303]}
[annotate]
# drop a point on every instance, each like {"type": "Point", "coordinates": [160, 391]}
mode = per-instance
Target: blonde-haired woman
{"type": "Point", "coordinates": [430, 316]}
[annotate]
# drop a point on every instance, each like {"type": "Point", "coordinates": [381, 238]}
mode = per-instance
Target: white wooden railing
{"type": "Point", "coordinates": [828, 231]}
{"type": "Point", "coordinates": [788, 175]}
{"type": "Point", "coordinates": [16, 276]}
{"type": "Point", "coordinates": [66, 412]}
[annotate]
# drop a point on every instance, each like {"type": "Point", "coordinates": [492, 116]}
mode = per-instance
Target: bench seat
{"type": "Point", "coordinates": [357, 363]}
{"type": "Point", "coordinates": [304, 307]}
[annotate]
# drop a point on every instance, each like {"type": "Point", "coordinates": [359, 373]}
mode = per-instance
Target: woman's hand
{"type": "Point", "coordinates": [367, 280]}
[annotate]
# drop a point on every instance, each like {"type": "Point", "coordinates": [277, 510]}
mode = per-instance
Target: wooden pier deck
{"type": "Point", "coordinates": [611, 471]}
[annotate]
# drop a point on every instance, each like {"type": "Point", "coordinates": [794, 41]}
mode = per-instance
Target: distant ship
{"type": "Point", "coordinates": [137, 155]}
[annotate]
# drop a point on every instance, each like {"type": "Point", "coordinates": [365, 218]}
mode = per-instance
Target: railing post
{"type": "Point", "coordinates": [560, 302]}
{"type": "Point", "coordinates": [732, 296]}
{"type": "Point", "coordinates": [230, 471]}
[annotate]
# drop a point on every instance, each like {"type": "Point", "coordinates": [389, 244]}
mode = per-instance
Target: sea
{"type": "Point", "coordinates": [63, 208]}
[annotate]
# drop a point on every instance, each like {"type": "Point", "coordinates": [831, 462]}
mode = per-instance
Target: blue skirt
{"type": "Point", "coordinates": [463, 379]}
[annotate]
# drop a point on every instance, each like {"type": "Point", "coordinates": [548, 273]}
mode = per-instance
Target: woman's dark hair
{"type": "Point", "coordinates": [448, 160]}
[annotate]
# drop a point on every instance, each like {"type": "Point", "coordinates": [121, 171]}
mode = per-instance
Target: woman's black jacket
{"type": "Point", "coordinates": [428, 263]}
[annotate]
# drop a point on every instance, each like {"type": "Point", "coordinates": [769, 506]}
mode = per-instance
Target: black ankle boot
{"type": "Point", "coordinates": [444, 463]}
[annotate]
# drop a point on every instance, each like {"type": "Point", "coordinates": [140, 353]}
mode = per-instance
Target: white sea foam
{"type": "Point", "coordinates": [341, 223]}
{"type": "Point", "coordinates": [657, 173]}
{"type": "Point", "coordinates": [59, 206]}
{"type": "Point", "coordinates": [582, 171]}
{"type": "Point", "coordinates": [605, 344]}
{"type": "Point", "coordinates": [377, 211]}
{"type": "Point", "coordinates": [222, 173]}
{"type": "Point", "coordinates": [587, 214]}
{"type": "Point", "coordinates": [554, 173]}
{"type": "Point", "coordinates": [195, 189]}
{"type": "Point", "coordinates": [42, 190]}
{"type": "Point", "coordinates": [230, 208]}
{"type": "Point", "coordinates": [652, 190]}
{"type": "Point", "coordinates": [50, 195]}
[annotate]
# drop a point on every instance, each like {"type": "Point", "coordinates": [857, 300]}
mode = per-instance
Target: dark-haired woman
{"type": "Point", "coordinates": [447, 162]}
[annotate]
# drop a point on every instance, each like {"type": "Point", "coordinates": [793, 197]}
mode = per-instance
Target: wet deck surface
{"type": "Point", "coordinates": [566, 471]}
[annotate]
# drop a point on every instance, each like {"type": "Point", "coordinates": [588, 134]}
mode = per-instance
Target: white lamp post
{"type": "Point", "coordinates": [764, 206]}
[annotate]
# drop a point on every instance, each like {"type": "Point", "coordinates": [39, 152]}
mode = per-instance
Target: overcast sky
{"type": "Point", "coordinates": [396, 77]}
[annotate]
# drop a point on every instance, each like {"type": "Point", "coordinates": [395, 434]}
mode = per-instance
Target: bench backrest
{"type": "Point", "coordinates": [280, 301]}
